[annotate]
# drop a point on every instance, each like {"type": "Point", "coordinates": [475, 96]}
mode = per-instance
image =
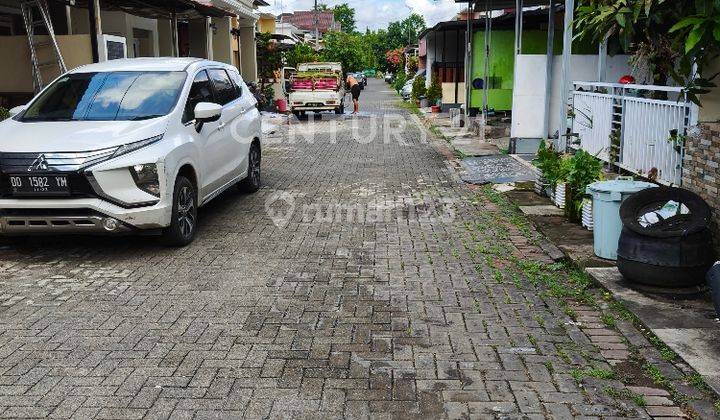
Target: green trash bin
{"type": "Point", "coordinates": [606, 198]}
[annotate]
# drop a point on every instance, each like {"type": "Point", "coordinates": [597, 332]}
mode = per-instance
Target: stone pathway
{"type": "Point", "coordinates": [363, 280]}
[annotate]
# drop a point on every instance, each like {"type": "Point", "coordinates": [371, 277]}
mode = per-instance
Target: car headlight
{"type": "Point", "coordinates": [131, 147]}
{"type": "Point", "coordinates": [146, 178]}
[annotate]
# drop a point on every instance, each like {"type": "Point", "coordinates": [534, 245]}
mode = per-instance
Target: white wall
{"type": "Point", "coordinates": [529, 91]}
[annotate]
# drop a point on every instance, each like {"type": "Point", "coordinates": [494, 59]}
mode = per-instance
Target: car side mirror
{"type": "Point", "coordinates": [206, 112]}
{"type": "Point", "coordinates": [16, 110]}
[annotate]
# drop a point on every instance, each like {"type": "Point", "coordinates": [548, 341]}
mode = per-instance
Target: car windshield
{"type": "Point", "coordinates": [109, 96]}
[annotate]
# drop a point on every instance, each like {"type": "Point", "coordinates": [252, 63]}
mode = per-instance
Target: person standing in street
{"type": "Point", "coordinates": [354, 86]}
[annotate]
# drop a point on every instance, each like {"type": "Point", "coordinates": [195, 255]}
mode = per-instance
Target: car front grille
{"type": "Point", "coordinates": [70, 164]}
{"type": "Point", "coordinates": [52, 162]}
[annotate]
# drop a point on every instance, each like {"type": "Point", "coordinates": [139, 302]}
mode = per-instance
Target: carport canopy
{"type": "Point", "coordinates": [159, 9]}
{"type": "Point", "coordinates": [569, 5]}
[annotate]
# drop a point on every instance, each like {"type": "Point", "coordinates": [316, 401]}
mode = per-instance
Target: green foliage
{"type": "Point", "coordinates": [4, 114]}
{"type": "Point", "coordinates": [418, 88]}
{"type": "Point", "coordinates": [378, 43]}
{"type": "Point", "coordinates": [583, 170]}
{"type": "Point", "coordinates": [400, 80]}
{"type": "Point", "coordinates": [669, 36]}
{"type": "Point", "coordinates": [549, 161]}
{"type": "Point", "coordinates": [405, 32]}
{"type": "Point", "coordinates": [346, 16]}
{"type": "Point", "coordinates": [349, 49]}
{"type": "Point", "coordinates": [592, 372]}
{"type": "Point", "coordinates": [434, 92]}
{"type": "Point", "coordinates": [269, 57]}
{"type": "Point", "coordinates": [300, 53]}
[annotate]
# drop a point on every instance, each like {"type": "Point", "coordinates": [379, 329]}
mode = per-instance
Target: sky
{"type": "Point", "coordinates": [376, 14]}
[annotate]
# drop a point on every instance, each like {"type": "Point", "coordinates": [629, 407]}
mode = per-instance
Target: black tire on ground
{"type": "Point", "coordinates": [183, 224]}
{"type": "Point", "coordinates": [665, 262]}
{"type": "Point", "coordinates": [655, 275]}
{"type": "Point", "coordinates": [253, 181]}
{"type": "Point", "coordinates": [340, 110]}
{"type": "Point", "coordinates": [652, 198]}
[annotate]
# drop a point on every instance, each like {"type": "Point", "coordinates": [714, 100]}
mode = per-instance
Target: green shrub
{"type": "Point", "coordinates": [4, 114]}
{"type": "Point", "coordinates": [583, 170]}
{"type": "Point", "coordinates": [400, 80]}
{"type": "Point", "coordinates": [434, 92]}
{"type": "Point", "coordinates": [418, 88]}
{"type": "Point", "coordinates": [549, 162]}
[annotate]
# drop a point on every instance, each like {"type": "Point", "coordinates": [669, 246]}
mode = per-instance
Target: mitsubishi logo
{"type": "Point", "coordinates": [39, 164]}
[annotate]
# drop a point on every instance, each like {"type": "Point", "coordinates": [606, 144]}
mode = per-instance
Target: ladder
{"type": "Point", "coordinates": [32, 22]}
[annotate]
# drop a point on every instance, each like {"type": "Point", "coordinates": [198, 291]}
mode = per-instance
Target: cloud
{"type": "Point", "coordinates": [376, 14]}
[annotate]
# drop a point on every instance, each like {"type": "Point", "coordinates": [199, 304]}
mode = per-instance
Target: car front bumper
{"type": "Point", "coordinates": [82, 216]}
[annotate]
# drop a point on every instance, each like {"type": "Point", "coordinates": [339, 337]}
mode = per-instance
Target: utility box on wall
{"type": "Point", "coordinates": [112, 47]}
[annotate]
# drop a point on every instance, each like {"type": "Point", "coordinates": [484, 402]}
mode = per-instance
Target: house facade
{"type": "Point", "coordinates": [91, 31]}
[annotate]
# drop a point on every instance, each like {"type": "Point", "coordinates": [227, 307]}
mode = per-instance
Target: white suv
{"type": "Point", "coordinates": [128, 145]}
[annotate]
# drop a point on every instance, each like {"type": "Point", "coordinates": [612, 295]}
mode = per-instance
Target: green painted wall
{"type": "Point", "coordinates": [502, 45]}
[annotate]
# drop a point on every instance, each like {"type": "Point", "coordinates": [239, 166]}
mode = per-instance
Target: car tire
{"type": "Point", "coordinates": [340, 110]}
{"type": "Point", "coordinates": [253, 180]}
{"type": "Point", "coordinates": [183, 224]}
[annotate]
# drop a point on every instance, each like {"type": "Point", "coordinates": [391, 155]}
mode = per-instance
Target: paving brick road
{"type": "Point", "coordinates": [344, 288]}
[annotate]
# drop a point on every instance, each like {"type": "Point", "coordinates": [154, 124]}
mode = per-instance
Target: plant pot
{"type": "Point", "coordinates": [436, 109]}
{"type": "Point", "coordinates": [559, 196]}
{"type": "Point", "coordinates": [587, 214]}
{"type": "Point", "coordinates": [424, 103]}
{"type": "Point", "coordinates": [541, 185]}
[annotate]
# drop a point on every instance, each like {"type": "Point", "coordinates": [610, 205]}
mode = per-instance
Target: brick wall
{"type": "Point", "coordinates": [701, 170]}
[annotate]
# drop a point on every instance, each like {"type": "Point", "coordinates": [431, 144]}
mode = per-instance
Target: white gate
{"type": "Point", "coordinates": [649, 132]}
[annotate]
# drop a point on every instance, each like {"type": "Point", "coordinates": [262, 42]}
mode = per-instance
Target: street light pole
{"type": "Point", "coordinates": [317, 25]}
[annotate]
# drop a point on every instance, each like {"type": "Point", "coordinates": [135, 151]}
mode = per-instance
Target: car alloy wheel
{"type": "Point", "coordinates": [186, 212]}
{"type": "Point", "coordinates": [254, 166]}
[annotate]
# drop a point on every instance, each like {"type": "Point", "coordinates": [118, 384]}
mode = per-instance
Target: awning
{"type": "Point", "coordinates": [533, 19]}
{"type": "Point", "coordinates": [161, 9]}
{"type": "Point", "coordinates": [505, 4]}
{"type": "Point", "coordinates": [235, 7]}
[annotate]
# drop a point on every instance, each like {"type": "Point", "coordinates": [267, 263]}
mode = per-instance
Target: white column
{"type": "Point", "coordinates": [209, 38]}
{"type": "Point", "coordinates": [565, 84]}
{"type": "Point", "coordinates": [549, 66]}
{"type": "Point", "coordinates": [222, 40]}
{"type": "Point", "coordinates": [602, 61]}
{"type": "Point", "coordinates": [248, 54]}
{"type": "Point", "coordinates": [175, 41]}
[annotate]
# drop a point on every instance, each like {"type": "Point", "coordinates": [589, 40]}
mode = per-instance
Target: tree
{"type": "Point", "coordinates": [378, 43]}
{"type": "Point", "coordinates": [418, 88]}
{"type": "Point", "coordinates": [346, 16]}
{"type": "Point", "coordinates": [412, 26]}
{"type": "Point", "coordinates": [412, 65]}
{"type": "Point", "coordinates": [667, 37]}
{"type": "Point", "coordinates": [300, 53]}
{"type": "Point", "coordinates": [434, 92]}
{"type": "Point", "coordinates": [394, 59]}
{"type": "Point", "coordinates": [269, 57]}
{"type": "Point", "coordinates": [638, 27]}
{"type": "Point", "coordinates": [349, 49]}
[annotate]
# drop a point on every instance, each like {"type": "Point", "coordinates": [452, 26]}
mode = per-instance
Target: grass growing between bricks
{"type": "Point", "coordinates": [569, 283]}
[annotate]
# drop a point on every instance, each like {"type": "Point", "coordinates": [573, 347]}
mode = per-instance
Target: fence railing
{"type": "Point", "coordinates": [628, 126]}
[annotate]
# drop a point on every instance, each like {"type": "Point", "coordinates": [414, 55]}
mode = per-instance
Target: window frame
{"type": "Point", "coordinates": [232, 83]}
{"type": "Point", "coordinates": [187, 99]}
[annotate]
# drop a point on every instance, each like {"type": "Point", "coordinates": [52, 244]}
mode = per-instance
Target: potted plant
{"type": "Point", "coordinates": [547, 162]}
{"type": "Point", "coordinates": [4, 113]}
{"type": "Point", "coordinates": [418, 89]}
{"type": "Point", "coordinates": [583, 170]}
{"type": "Point", "coordinates": [434, 93]}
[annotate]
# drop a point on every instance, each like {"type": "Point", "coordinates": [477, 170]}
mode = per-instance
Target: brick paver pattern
{"type": "Point", "coordinates": [318, 317]}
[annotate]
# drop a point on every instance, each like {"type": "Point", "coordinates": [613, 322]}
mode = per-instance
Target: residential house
{"type": "Point", "coordinates": [310, 21]}
{"type": "Point", "coordinates": [90, 31]}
